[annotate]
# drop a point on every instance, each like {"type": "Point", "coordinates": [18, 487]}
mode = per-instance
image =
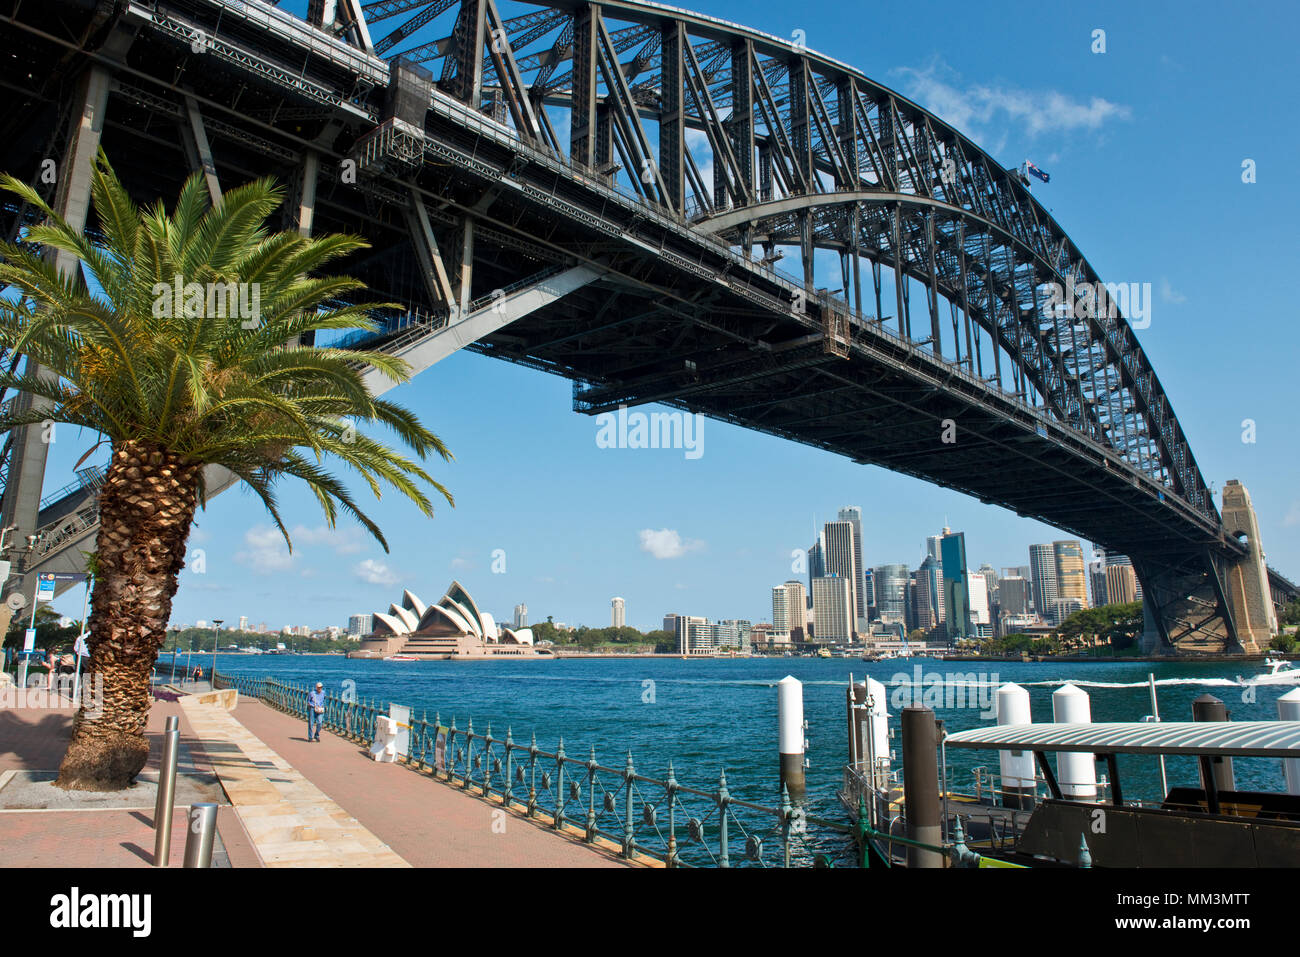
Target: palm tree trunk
{"type": "Point", "coordinates": [146, 507]}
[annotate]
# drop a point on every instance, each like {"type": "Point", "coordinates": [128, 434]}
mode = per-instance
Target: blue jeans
{"type": "Point", "coordinates": [314, 722]}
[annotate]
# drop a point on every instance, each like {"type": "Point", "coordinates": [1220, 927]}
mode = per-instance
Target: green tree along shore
{"type": "Point", "coordinates": [614, 640]}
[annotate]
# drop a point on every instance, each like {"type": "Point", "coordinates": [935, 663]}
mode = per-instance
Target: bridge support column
{"type": "Point", "coordinates": [1249, 596]}
{"type": "Point", "coordinates": [22, 493]}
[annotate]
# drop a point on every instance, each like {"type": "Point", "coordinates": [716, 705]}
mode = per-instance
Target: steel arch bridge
{"type": "Point", "coordinates": [602, 190]}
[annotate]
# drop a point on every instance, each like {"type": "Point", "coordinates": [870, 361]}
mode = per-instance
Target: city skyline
{"type": "Point", "coordinates": [530, 480]}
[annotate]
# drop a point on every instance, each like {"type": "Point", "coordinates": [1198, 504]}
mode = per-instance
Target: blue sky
{"type": "Point", "coordinates": [1144, 144]}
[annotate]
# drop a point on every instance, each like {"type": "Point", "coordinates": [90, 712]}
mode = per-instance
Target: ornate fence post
{"type": "Point", "coordinates": [629, 835]}
{"type": "Point", "coordinates": [487, 761]}
{"type": "Point", "coordinates": [591, 796]}
{"type": "Point", "coordinates": [469, 755]}
{"type": "Point", "coordinates": [670, 789]}
{"type": "Point", "coordinates": [723, 800]}
{"type": "Point", "coordinates": [786, 813]}
{"type": "Point", "coordinates": [509, 779]}
{"type": "Point", "coordinates": [451, 751]}
{"type": "Point", "coordinates": [532, 776]}
{"type": "Point", "coordinates": [558, 822]}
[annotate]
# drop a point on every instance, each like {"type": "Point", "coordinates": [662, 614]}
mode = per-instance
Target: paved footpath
{"type": "Point", "coordinates": [43, 826]}
{"type": "Point", "coordinates": [428, 823]}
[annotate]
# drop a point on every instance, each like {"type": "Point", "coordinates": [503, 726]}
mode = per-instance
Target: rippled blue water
{"type": "Point", "coordinates": [707, 715]}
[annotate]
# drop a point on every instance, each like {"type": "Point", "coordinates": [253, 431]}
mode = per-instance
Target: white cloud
{"type": "Point", "coordinates": [461, 563]}
{"type": "Point", "coordinates": [1292, 516]}
{"type": "Point", "coordinates": [936, 87]}
{"type": "Point", "coordinates": [1169, 294]}
{"type": "Point", "coordinates": [667, 543]}
{"type": "Point", "coordinates": [265, 550]}
{"type": "Point", "coordinates": [376, 573]}
{"type": "Point", "coordinates": [344, 541]}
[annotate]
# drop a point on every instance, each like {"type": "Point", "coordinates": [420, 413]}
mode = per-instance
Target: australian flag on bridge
{"type": "Point", "coordinates": [1035, 171]}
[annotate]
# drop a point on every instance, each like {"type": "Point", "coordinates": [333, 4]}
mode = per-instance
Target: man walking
{"type": "Point", "coordinates": [315, 712]}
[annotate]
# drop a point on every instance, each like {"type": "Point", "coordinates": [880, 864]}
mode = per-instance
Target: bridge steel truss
{"type": "Point", "coordinates": [680, 156]}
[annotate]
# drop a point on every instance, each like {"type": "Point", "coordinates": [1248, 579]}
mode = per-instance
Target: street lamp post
{"type": "Point", "coordinates": [216, 630]}
{"type": "Point", "coordinates": [176, 647]}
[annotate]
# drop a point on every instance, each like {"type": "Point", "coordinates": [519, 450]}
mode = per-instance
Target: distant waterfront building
{"type": "Point", "coordinates": [1113, 559]}
{"type": "Point", "coordinates": [956, 585]}
{"type": "Point", "coordinates": [1097, 582]}
{"type": "Point", "coordinates": [743, 630]}
{"type": "Point", "coordinates": [990, 581]}
{"type": "Point", "coordinates": [692, 634]}
{"type": "Point", "coordinates": [521, 615]}
{"type": "Point", "coordinates": [932, 547]}
{"type": "Point", "coordinates": [358, 625]}
{"type": "Point", "coordinates": [833, 609]}
{"type": "Point", "coordinates": [869, 585]}
{"type": "Point", "coordinates": [981, 622]}
{"type": "Point", "coordinates": [1121, 585]}
{"type": "Point", "coordinates": [617, 613]}
{"type": "Point", "coordinates": [930, 606]}
{"type": "Point", "coordinates": [1013, 596]}
{"type": "Point", "coordinates": [243, 623]}
{"type": "Point", "coordinates": [780, 611]}
{"type": "Point", "coordinates": [853, 515]}
{"type": "Point", "coordinates": [1042, 574]}
{"type": "Point", "coordinates": [816, 560]}
{"type": "Point", "coordinates": [891, 593]}
{"type": "Point", "coordinates": [670, 624]}
{"type": "Point", "coordinates": [1071, 576]}
{"type": "Point", "coordinates": [201, 623]}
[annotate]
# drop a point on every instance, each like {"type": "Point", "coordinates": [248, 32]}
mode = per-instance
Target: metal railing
{"type": "Point", "coordinates": [640, 818]}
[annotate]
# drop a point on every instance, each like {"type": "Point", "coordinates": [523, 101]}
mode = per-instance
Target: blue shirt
{"type": "Point", "coordinates": [316, 699]}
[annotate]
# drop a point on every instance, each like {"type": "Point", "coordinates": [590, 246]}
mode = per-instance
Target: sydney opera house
{"type": "Point", "coordinates": [453, 627]}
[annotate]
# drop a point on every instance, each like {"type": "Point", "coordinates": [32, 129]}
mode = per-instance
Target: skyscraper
{"type": "Point", "coordinates": [617, 612]}
{"type": "Point", "coordinates": [838, 541]}
{"type": "Point", "coordinates": [1042, 572]}
{"type": "Point", "coordinates": [853, 515]}
{"type": "Point", "coordinates": [956, 585]}
{"type": "Point", "coordinates": [1071, 575]}
{"type": "Point", "coordinates": [521, 615]}
{"type": "Point", "coordinates": [1121, 584]}
{"type": "Point", "coordinates": [930, 607]}
{"type": "Point", "coordinates": [816, 560]}
{"type": "Point", "coordinates": [891, 593]}
{"type": "Point", "coordinates": [780, 611]}
{"type": "Point", "coordinates": [833, 609]}
{"type": "Point", "coordinates": [243, 623]}
{"type": "Point", "coordinates": [1013, 596]}
{"type": "Point", "coordinates": [358, 625]}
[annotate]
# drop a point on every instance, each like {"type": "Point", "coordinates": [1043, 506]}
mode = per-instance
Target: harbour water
{"type": "Point", "coordinates": [707, 715]}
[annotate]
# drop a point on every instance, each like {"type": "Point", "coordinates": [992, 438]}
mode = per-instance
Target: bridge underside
{"type": "Point", "coordinates": [675, 318]}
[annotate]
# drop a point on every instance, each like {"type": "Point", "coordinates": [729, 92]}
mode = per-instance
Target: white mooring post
{"type": "Point", "coordinates": [1017, 767]}
{"type": "Point", "coordinates": [790, 742]}
{"type": "Point", "coordinates": [1288, 709]}
{"type": "Point", "coordinates": [1076, 772]}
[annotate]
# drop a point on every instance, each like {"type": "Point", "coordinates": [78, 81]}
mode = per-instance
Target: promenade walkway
{"type": "Point", "coordinates": [427, 823]}
{"type": "Point", "coordinates": [44, 826]}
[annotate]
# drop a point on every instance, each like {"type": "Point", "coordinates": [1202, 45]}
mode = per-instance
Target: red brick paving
{"type": "Point", "coordinates": [429, 823]}
{"type": "Point", "coordinates": [35, 740]}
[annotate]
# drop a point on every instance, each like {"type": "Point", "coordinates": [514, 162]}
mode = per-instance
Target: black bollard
{"type": "Point", "coordinates": [921, 786]}
{"type": "Point", "coordinates": [1216, 771]}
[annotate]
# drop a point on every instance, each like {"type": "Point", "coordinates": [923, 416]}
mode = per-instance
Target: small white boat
{"type": "Point", "coordinates": [1279, 672]}
{"type": "Point", "coordinates": [401, 658]}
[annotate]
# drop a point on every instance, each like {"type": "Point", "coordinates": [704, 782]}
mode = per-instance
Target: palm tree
{"type": "Point", "coordinates": [165, 374]}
